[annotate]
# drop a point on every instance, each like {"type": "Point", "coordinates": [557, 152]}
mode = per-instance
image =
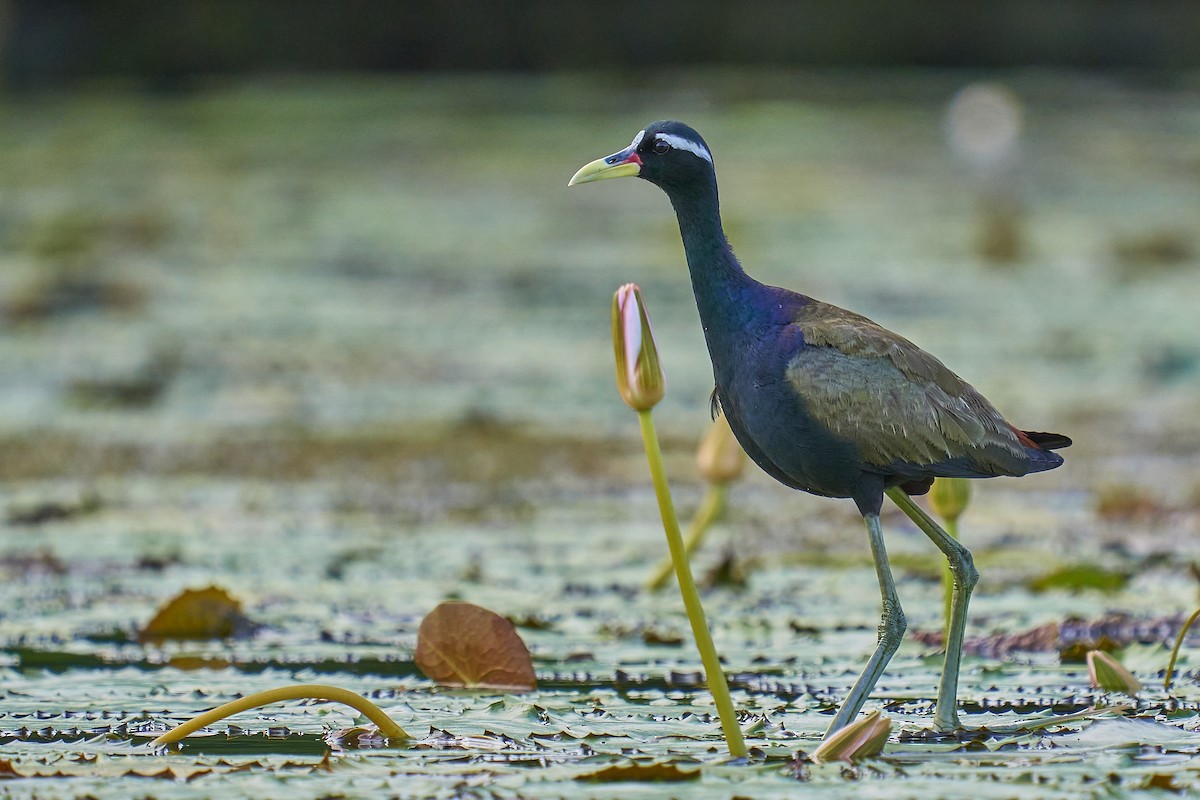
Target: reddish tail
{"type": "Point", "coordinates": [1043, 441]}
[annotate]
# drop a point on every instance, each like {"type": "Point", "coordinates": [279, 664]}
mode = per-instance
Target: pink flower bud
{"type": "Point", "coordinates": [639, 374]}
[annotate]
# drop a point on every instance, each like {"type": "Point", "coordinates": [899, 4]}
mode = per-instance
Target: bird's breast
{"type": "Point", "coordinates": [772, 421]}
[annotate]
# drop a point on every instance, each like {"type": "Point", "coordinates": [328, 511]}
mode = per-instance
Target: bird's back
{"type": "Point", "coordinates": [836, 396]}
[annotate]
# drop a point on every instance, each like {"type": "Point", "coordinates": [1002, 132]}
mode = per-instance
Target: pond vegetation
{"type": "Point", "coordinates": [340, 348]}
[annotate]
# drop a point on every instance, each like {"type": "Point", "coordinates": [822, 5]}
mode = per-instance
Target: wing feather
{"type": "Point", "coordinates": [896, 403]}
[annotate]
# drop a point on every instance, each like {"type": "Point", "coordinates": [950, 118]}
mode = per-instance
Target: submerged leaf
{"type": "Point", "coordinates": [461, 644]}
{"type": "Point", "coordinates": [198, 614]}
{"type": "Point", "coordinates": [359, 737]}
{"type": "Point", "coordinates": [1079, 577]}
{"type": "Point", "coordinates": [641, 773]}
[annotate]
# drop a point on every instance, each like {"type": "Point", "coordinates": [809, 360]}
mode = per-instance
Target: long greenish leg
{"type": "Point", "coordinates": [962, 566]}
{"type": "Point", "coordinates": [891, 631]}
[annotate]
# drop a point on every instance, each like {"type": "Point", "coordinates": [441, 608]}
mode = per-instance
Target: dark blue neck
{"type": "Point", "coordinates": [724, 292]}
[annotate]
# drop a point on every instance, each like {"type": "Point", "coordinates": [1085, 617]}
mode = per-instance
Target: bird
{"type": "Point", "coordinates": [828, 402]}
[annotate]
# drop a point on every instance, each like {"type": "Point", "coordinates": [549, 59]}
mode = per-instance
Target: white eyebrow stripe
{"type": "Point", "coordinates": [680, 143]}
{"type": "Point", "coordinates": [637, 139]}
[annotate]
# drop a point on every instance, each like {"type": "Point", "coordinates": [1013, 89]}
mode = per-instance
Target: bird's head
{"type": "Point", "coordinates": [668, 154]}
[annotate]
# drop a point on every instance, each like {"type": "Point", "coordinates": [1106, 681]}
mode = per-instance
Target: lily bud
{"type": "Point", "coordinates": [1111, 675]}
{"type": "Point", "coordinates": [720, 458]}
{"type": "Point", "coordinates": [863, 738]}
{"type": "Point", "coordinates": [949, 497]}
{"type": "Point", "coordinates": [639, 373]}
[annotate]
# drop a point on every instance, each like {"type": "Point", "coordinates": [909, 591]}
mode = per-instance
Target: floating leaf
{"type": "Point", "coordinates": [654, 636]}
{"type": "Point", "coordinates": [359, 737]}
{"type": "Point", "coordinates": [1080, 577]}
{"type": "Point", "coordinates": [198, 614]}
{"type": "Point", "coordinates": [641, 773]}
{"type": "Point", "coordinates": [461, 644]}
{"type": "Point", "coordinates": [863, 738]}
{"type": "Point", "coordinates": [1109, 734]}
{"type": "Point", "coordinates": [1163, 782]}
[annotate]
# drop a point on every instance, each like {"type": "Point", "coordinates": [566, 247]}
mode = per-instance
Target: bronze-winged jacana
{"type": "Point", "coordinates": [827, 401]}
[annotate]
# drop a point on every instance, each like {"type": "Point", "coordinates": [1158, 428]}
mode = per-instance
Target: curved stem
{"type": "Point", "coordinates": [1175, 650]}
{"type": "Point", "coordinates": [313, 691]}
{"type": "Point", "coordinates": [709, 512]}
{"type": "Point", "coordinates": [713, 674]}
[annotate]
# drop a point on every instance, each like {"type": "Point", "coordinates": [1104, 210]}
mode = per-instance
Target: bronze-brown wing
{"type": "Point", "coordinates": [892, 400]}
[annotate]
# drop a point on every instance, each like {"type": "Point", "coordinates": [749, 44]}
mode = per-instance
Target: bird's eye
{"type": "Point", "coordinates": [661, 147]}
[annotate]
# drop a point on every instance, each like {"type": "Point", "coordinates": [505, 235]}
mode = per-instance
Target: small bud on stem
{"type": "Point", "coordinates": [639, 373]}
{"type": "Point", "coordinates": [949, 498]}
{"type": "Point", "coordinates": [720, 458]}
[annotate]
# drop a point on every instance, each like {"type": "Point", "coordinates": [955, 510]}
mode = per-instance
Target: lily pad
{"type": "Point", "coordinates": [198, 614]}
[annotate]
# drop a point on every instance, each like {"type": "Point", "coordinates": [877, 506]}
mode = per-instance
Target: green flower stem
{"type": "Point", "coordinates": [948, 582]}
{"type": "Point", "coordinates": [1175, 650]}
{"type": "Point", "coordinates": [687, 587]}
{"type": "Point", "coordinates": [709, 512]}
{"type": "Point", "coordinates": [313, 691]}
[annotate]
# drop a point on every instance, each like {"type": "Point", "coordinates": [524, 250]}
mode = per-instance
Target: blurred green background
{"type": "Point", "coordinates": [279, 238]}
{"type": "Point", "coordinates": [172, 42]}
{"type": "Point", "coordinates": [294, 298]}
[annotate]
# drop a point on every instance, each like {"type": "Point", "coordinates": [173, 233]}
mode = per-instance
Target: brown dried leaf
{"type": "Point", "coordinates": [198, 614]}
{"type": "Point", "coordinates": [1164, 782]}
{"type": "Point", "coordinates": [460, 644]}
{"type": "Point", "coordinates": [640, 773]}
{"type": "Point", "coordinates": [7, 770]}
{"type": "Point", "coordinates": [164, 774]}
{"type": "Point", "coordinates": [186, 662]}
{"type": "Point", "coordinates": [1043, 638]}
{"type": "Point", "coordinates": [1072, 638]}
